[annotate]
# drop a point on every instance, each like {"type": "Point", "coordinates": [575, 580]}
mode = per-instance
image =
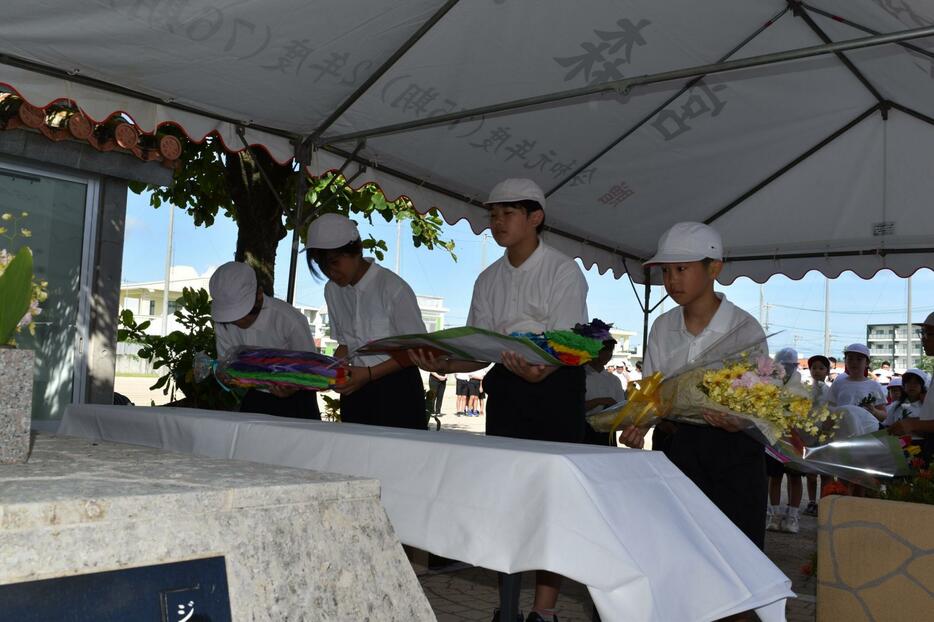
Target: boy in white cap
{"type": "Point", "coordinates": [724, 462]}
{"type": "Point", "coordinates": [531, 288]}
{"type": "Point", "coordinates": [244, 316]}
{"type": "Point", "coordinates": [366, 302]}
{"type": "Point", "coordinates": [923, 426]}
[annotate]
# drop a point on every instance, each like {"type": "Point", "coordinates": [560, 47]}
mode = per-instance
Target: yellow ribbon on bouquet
{"type": "Point", "coordinates": [642, 404]}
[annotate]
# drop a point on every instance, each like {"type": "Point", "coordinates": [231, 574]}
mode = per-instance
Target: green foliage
{"type": "Point", "coordinates": [330, 194]}
{"type": "Point", "coordinates": [926, 363]}
{"type": "Point", "coordinates": [174, 353]}
{"type": "Point", "coordinates": [15, 293]}
{"type": "Point", "coordinates": [210, 181]}
{"type": "Point", "coordinates": [332, 408]}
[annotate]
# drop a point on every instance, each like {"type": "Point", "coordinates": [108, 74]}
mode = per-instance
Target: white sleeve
{"type": "Point", "coordinates": [406, 317]}
{"type": "Point", "coordinates": [892, 410]}
{"type": "Point", "coordinates": [570, 306]}
{"type": "Point", "coordinates": [334, 317]}
{"type": "Point", "coordinates": [222, 340]}
{"type": "Point", "coordinates": [299, 332]}
{"type": "Point", "coordinates": [480, 314]}
{"type": "Point", "coordinates": [651, 358]}
{"type": "Point", "coordinates": [927, 410]}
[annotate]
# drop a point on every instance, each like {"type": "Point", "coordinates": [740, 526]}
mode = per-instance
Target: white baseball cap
{"type": "Point", "coordinates": [787, 356]}
{"type": "Point", "coordinates": [330, 231]}
{"type": "Point", "coordinates": [688, 241]}
{"type": "Point", "coordinates": [920, 373]}
{"type": "Point", "coordinates": [516, 189]}
{"type": "Point", "coordinates": [895, 381]}
{"type": "Point", "coordinates": [858, 348]}
{"type": "Point", "coordinates": [233, 291]}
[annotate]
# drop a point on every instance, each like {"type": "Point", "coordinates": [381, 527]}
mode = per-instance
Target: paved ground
{"type": "Point", "coordinates": [461, 594]}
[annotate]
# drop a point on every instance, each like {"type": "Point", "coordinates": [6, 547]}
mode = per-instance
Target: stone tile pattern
{"type": "Point", "coordinates": [875, 560]}
{"type": "Point", "coordinates": [16, 372]}
{"type": "Point", "coordinates": [299, 545]}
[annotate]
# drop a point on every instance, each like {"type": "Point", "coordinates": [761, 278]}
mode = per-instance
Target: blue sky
{"type": "Point", "coordinates": [796, 306]}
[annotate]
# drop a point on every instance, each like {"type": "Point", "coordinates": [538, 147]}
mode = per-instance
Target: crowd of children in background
{"type": "Point", "coordinates": [868, 402]}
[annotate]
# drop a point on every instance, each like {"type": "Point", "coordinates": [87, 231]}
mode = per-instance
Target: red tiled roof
{"type": "Point", "coordinates": [62, 121]}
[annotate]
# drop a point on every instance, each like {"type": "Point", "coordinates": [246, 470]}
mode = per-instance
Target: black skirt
{"type": "Point", "coordinates": [550, 410]}
{"type": "Point", "coordinates": [396, 400]}
{"type": "Point", "coordinates": [299, 405]}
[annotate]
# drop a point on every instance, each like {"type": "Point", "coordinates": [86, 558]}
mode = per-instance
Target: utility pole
{"type": "Point", "coordinates": [399, 248]}
{"type": "Point", "coordinates": [909, 359]}
{"type": "Point", "coordinates": [168, 273]}
{"type": "Point", "coordinates": [826, 316]}
{"type": "Point", "coordinates": [762, 313]}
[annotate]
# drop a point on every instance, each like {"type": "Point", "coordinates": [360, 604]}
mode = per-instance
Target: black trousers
{"type": "Point", "coordinates": [396, 400]}
{"type": "Point", "coordinates": [300, 405]}
{"type": "Point", "coordinates": [551, 410]}
{"type": "Point", "coordinates": [437, 388]}
{"type": "Point", "coordinates": [729, 467]}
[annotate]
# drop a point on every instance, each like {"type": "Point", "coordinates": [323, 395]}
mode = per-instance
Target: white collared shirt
{"type": "Point", "coordinates": [603, 384]}
{"type": "Point", "coordinates": [547, 292]}
{"type": "Point", "coordinates": [381, 304]}
{"type": "Point", "coordinates": [279, 325]}
{"type": "Point", "coordinates": [671, 346]}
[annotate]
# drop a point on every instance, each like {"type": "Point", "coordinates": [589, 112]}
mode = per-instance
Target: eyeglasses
{"type": "Point", "coordinates": [924, 333]}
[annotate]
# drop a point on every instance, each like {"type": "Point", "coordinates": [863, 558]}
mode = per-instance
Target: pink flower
{"type": "Point", "coordinates": [765, 366]}
{"type": "Point", "coordinates": [747, 380]}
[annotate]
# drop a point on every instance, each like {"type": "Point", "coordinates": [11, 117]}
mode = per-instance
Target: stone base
{"type": "Point", "coordinates": [875, 560]}
{"type": "Point", "coordinates": [298, 545]}
{"type": "Point", "coordinates": [16, 371]}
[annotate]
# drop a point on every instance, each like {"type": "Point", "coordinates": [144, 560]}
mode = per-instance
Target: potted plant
{"type": "Point", "coordinates": [20, 297]}
{"type": "Point", "coordinates": [174, 353]}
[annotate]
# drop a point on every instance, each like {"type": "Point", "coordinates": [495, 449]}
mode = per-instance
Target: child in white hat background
{"type": "Point", "coordinates": [366, 302]}
{"type": "Point", "coordinates": [244, 316]}
{"type": "Point", "coordinates": [855, 386]}
{"type": "Point", "coordinates": [923, 426]}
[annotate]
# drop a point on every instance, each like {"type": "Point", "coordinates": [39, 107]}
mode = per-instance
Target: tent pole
{"type": "Point", "coordinates": [868, 31]}
{"type": "Point", "coordinates": [624, 85]}
{"type": "Point", "coordinates": [302, 157]}
{"type": "Point", "coordinates": [645, 312]}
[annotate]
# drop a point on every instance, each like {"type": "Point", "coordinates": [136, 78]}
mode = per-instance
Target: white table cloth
{"type": "Point", "coordinates": [626, 523]}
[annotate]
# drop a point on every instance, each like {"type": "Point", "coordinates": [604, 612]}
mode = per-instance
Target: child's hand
{"type": "Point", "coordinates": [356, 378]}
{"type": "Point", "coordinates": [633, 437]}
{"type": "Point", "coordinates": [903, 427]}
{"type": "Point", "coordinates": [425, 359]}
{"type": "Point", "coordinates": [525, 370]}
{"type": "Point", "coordinates": [729, 423]}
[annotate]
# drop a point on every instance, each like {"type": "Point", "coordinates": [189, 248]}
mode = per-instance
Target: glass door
{"type": "Point", "coordinates": [60, 210]}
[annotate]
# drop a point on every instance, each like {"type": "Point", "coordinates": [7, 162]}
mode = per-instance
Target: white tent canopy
{"type": "Point", "coordinates": [823, 162]}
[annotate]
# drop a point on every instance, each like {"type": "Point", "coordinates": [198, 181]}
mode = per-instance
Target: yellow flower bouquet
{"type": "Point", "coordinates": [753, 390]}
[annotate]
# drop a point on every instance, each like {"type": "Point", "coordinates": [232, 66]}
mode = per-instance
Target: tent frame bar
{"type": "Point", "coordinates": [661, 106]}
{"type": "Point", "coordinates": [624, 85]}
{"type": "Point", "coordinates": [787, 167]}
{"type": "Point", "coordinates": [797, 8]}
{"type": "Point", "coordinates": [870, 31]}
{"type": "Point", "coordinates": [376, 75]}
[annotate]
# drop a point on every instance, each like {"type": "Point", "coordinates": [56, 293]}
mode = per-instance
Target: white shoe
{"type": "Point", "coordinates": [790, 524]}
{"type": "Point", "coordinates": [773, 523]}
